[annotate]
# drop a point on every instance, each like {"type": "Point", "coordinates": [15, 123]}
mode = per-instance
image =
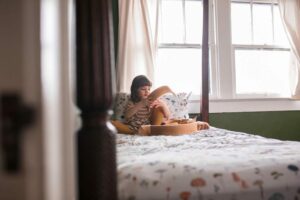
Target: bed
{"type": "Point", "coordinates": [215, 164]}
{"type": "Point", "coordinates": [209, 164]}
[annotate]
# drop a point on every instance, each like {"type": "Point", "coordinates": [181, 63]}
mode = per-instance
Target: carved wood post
{"type": "Point", "coordinates": [205, 64]}
{"type": "Point", "coordinates": [96, 148]}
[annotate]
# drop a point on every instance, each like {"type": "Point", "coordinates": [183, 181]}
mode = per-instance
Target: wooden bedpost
{"type": "Point", "coordinates": [205, 64]}
{"type": "Point", "coordinates": [96, 150]}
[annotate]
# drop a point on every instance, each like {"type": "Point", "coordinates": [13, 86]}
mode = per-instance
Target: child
{"type": "Point", "coordinates": [141, 110]}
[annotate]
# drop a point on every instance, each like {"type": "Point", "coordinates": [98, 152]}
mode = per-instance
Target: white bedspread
{"type": "Point", "coordinates": [210, 164]}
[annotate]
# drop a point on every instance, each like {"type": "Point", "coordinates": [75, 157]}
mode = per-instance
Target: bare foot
{"type": "Point", "coordinates": [202, 125]}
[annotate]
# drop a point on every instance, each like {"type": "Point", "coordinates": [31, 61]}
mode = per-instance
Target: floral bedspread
{"type": "Point", "coordinates": [208, 165]}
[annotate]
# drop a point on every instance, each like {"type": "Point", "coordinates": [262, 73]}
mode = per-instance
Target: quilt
{"type": "Point", "coordinates": [213, 164]}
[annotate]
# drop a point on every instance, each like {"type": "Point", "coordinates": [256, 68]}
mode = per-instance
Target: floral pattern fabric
{"type": "Point", "coordinates": [178, 105]}
{"type": "Point", "coordinates": [213, 164]}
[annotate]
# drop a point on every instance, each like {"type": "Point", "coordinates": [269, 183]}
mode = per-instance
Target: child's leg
{"type": "Point", "coordinates": [157, 116]}
{"type": "Point", "coordinates": [122, 128]}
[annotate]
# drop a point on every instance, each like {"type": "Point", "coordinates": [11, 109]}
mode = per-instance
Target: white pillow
{"type": "Point", "coordinates": [178, 105]}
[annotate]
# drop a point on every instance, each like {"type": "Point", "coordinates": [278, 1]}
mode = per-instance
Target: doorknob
{"type": "Point", "coordinates": [14, 116]}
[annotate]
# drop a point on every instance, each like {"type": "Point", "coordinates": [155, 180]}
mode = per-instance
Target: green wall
{"type": "Point", "coordinates": [277, 124]}
{"type": "Point", "coordinates": [280, 124]}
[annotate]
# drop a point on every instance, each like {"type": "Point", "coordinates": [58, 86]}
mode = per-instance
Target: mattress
{"type": "Point", "coordinates": [209, 164]}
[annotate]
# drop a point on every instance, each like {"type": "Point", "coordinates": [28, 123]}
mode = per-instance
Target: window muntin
{"type": "Point", "coordinates": [257, 24]}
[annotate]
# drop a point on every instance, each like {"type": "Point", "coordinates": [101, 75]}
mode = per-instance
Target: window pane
{"type": "Point", "coordinates": [279, 33]}
{"type": "Point", "coordinates": [241, 23]}
{"type": "Point", "coordinates": [262, 24]}
{"type": "Point", "coordinates": [180, 69]}
{"type": "Point", "coordinates": [172, 22]}
{"type": "Point", "coordinates": [262, 72]}
{"type": "Point", "coordinates": [193, 21]}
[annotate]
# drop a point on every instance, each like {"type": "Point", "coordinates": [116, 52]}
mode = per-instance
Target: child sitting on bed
{"type": "Point", "coordinates": [141, 110]}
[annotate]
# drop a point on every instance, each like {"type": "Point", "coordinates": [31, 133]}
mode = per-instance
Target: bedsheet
{"type": "Point", "coordinates": [210, 164]}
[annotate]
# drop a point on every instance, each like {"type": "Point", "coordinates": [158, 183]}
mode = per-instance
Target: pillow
{"type": "Point", "coordinates": [178, 105]}
{"type": "Point", "coordinates": [121, 100]}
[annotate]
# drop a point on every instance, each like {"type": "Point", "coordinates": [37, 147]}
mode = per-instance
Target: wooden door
{"type": "Point", "coordinates": [20, 177]}
{"type": "Point", "coordinates": [42, 83]}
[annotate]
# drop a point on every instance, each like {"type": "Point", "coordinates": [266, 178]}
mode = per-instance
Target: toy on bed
{"type": "Point", "coordinates": [179, 122]}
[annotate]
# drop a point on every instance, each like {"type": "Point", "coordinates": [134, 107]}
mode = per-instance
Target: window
{"type": "Point", "coordinates": [255, 64]}
{"type": "Point", "coordinates": [249, 53]}
{"type": "Point", "coordinates": [260, 50]}
{"type": "Point", "coordinates": [179, 50]}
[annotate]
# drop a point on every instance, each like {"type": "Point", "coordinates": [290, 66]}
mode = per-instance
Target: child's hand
{"type": "Point", "coordinates": [162, 105]}
{"type": "Point", "coordinates": [157, 103]}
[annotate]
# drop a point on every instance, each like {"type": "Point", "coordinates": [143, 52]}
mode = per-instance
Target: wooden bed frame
{"type": "Point", "coordinates": [96, 148]}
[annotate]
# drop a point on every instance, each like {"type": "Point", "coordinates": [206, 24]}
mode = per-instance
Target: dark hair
{"type": "Point", "coordinates": [137, 82]}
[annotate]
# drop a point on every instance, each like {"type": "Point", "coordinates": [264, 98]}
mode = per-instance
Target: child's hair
{"type": "Point", "coordinates": [137, 82]}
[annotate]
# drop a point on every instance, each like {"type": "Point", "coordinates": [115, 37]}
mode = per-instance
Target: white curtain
{"type": "Point", "coordinates": [290, 13]}
{"type": "Point", "coordinates": [138, 26]}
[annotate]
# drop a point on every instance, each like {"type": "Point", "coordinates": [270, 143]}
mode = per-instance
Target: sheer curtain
{"type": "Point", "coordinates": [138, 26]}
{"type": "Point", "coordinates": [290, 13]}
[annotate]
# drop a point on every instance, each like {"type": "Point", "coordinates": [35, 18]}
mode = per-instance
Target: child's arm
{"type": "Point", "coordinates": [158, 103]}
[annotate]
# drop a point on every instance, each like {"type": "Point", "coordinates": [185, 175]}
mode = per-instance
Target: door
{"type": "Point", "coordinates": [19, 76]}
{"type": "Point", "coordinates": [46, 146]}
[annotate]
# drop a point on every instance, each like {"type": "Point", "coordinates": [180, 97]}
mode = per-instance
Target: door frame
{"type": "Point", "coordinates": [49, 145]}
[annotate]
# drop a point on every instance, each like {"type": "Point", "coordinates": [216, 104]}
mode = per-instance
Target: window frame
{"type": "Point", "coordinates": [226, 100]}
{"type": "Point", "coordinates": [254, 46]}
{"type": "Point", "coordinates": [212, 47]}
{"type": "Point", "coordinates": [223, 97]}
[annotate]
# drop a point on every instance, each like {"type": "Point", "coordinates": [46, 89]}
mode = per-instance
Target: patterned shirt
{"type": "Point", "coordinates": [141, 117]}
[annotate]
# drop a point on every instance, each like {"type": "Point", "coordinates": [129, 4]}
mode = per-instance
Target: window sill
{"type": "Point", "coordinates": [247, 105]}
